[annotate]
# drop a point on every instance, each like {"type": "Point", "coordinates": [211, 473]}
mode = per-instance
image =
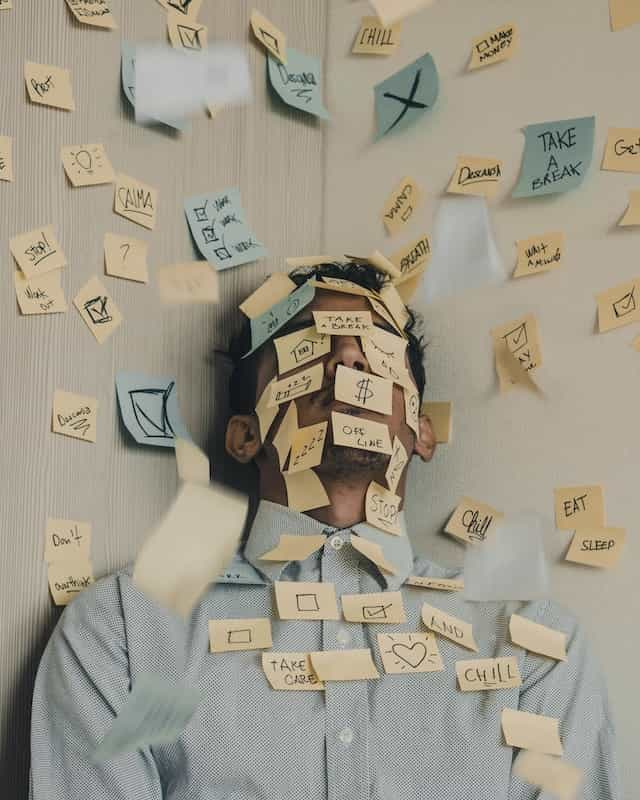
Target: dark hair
{"type": "Point", "coordinates": [242, 385]}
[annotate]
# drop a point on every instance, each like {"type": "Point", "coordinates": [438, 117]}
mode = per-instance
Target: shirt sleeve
{"type": "Point", "coordinates": [82, 681]}
{"type": "Point", "coordinates": [573, 691]}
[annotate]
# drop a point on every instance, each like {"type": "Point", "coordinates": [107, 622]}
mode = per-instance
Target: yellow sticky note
{"type": "Point", "coordinates": [125, 257]}
{"type": "Point", "coordinates": [307, 446]}
{"type": "Point", "coordinates": [380, 309]}
{"type": "Point", "coordinates": [69, 578]}
{"type": "Point", "coordinates": [440, 584]}
{"type": "Point", "coordinates": [531, 731]}
{"type": "Point", "coordinates": [411, 257]}
{"type": "Point", "coordinates": [341, 285]}
{"type": "Point", "coordinates": [395, 305]}
{"type": "Point", "coordinates": [376, 39]}
{"type": "Point", "coordinates": [306, 600]}
{"type": "Point", "coordinates": [494, 46]}
{"type": "Point", "coordinates": [286, 430]}
{"type": "Point", "coordinates": [539, 254]}
{"type": "Point", "coordinates": [622, 150]}
{"type": "Point", "coordinates": [297, 384]}
{"type": "Point", "coordinates": [447, 625]}
{"type": "Point", "coordinates": [554, 775]}
{"type": "Point", "coordinates": [135, 200]}
{"type": "Point", "coordinates": [363, 389]}
{"type": "Point", "coordinates": [636, 343]}
{"type": "Point", "coordinates": [398, 461]}
{"type": "Point", "coordinates": [342, 323]}
{"type": "Point", "coordinates": [49, 85]}
{"type": "Point", "coordinates": [305, 491]}
{"type": "Point", "coordinates": [363, 434]}
{"type": "Point", "coordinates": [440, 416]}
{"type": "Point", "coordinates": [294, 548]}
{"type": "Point", "coordinates": [188, 9]}
{"type": "Point", "coordinates": [291, 672]}
{"type": "Point", "coordinates": [344, 665]}
{"type": "Point", "coordinates": [40, 295]}
{"type": "Point", "coordinates": [93, 12]}
{"type": "Point", "coordinates": [66, 540]}
{"type": "Point", "coordinates": [521, 338]}
{"type": "Point", "coordinates": [186, 34]}
{"type": "Point", "coordinates": [374, 607]}
{"type": "Point", "coordinates": [474, 175]}
{"type": "Point", "coordinates": [473, 521]}
{"type": "Point", "coordinates": [579, 507]}
{"type": "Point", "coordinates": [619, 306]}
{"type": "Point", "coordinates": [623, 13]}
{"type": "Point", "coordinates": [484, 674]}
{"type": "Point", "coordinates": [404, 653]}
{"type": "Point", "coordinates": [385, 353]}
{"type": "Point", "coordinates": [87, 164]}
{"type": "Point", "coordinates": [6, 157]}
{"type": "Point", "coordinates": [74, 415]}
{"type": "Point", "coordinates": [5, 5]}
{"type": "Point", "coordinates": [231, 635]}
{"type": "Point", "coordinates": [37, 251]}
{"type": "Point", "coordinates": [632, 214]}
{"type": "Point", "coordinates": [269, 35]}
{"type": "Point", "coordinates": [401, 205]}
{"type": "Point", "coordinates": [412, 409]}
{"type": "Point", "coordinates": [382, 509]}
{"type": "Point", "coordinates": [192, 283]}
{"type": "Point", "coordinates": [193, 465]}
{"type": "Point", "coordinates": [597, 547]}
{"type": "Point", "coordinates": [275, 288]}
{"type": "Point", "coordinates": [390, 11]}
{"type": "Point", "coordinates": [538, 638]}
{"type": "Point", "coordinates": [298, 348]}
{"type": "Point", "coordinates": [373, 552]}
{"type": "Point", "coordinates": [97, 309]}
{"type": "Point", "coordinates": [266, 414]}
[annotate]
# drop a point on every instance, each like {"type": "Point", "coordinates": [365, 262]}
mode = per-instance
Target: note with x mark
{"type": "Point", "coordinates": [404, 97]}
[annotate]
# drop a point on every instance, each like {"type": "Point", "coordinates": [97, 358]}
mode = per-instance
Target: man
{"type": "Point", "coordinates": [407, 736]}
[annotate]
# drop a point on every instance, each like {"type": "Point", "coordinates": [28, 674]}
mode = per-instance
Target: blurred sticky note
{"type": "Point", "coordinates": [298, 348]}
{"type": "Point", "coordinates": [231, 635]}
{"type": "Point", "coordinates": [554, 775]}
{"type": "Point", "coordinates": [538, 638]}
{"type": "Point", "coordinates": [390, 11]}
{"type": "Point", "coordinates": [623, 13]}
{"type": "Point", "coordinates": [40, 295]}
{"type": "Point", "coordinates": [382, 509]}
{"type": "Point", "coordinates": [306, 600]}
{"type": "Point", "coordinates": [185, 8]}
{"type": "Point", "coordinates": [266, 414]}
{"type": "Point", "coordinates": [632, 214]}
{"type": "Point", "coordinates": [363, 434]}
{"type": "Point", "coordinates": [440, 417]}
{"type": "Point", "coordinates": [97, 309]}
{"type": "Point", "coordinates": [135, 200]}
{"type": "Point", "coordinates": [398, 461]}
{"type": "Point", "coordinates": [447, 625]}
{"type": "Point", "coordinates": [68, 578]}
{"type": "Point", "coordinates": [374, 607]}
{"type": "Point", "coordinates": [128, 76]}
{"type": "Point", "coordinates": [579, 507]}
{"type": "Point", "coordinates": [269, 35]}
{"type": "Point", "coordinates": [294, 547]}
{"type": "Point", "coordinates": [305, 491]}
{"type": "Point", "coordinates": [6, 158]}
{"type": "Point", "coordinates": [307, 447]}
{"type": "Point", "coordinates": [531, 731]}
{"type": "Point", "coordinates": [149, 408]}
{"type": "Point", "coordinates": [405, 96]}
{"type": "Point", "coordinates": [364, 390]}
{"type": "Point", "coordinates": [472, 521]}
{"type": "Point", "coordinates": [439, 584]}
{"type": "Point", "coordinates": [125, 257]}
{"type": "Point", "coordinates": [347, 323]}
{"type": "Point", "coordinates": [475, 175]}
{"type": "Point", "coordinates": [298, 82]}
{"type": "Point", "coordinates": [156, 712]}
{"type": "Point", "coordinates": [193, 465]}
{"type": "Point", "coordinates": [373, 552]}
{"type": "Point", "coordinates": [401, 205]}
{"type": "Point", "coordinates": [264, 326]}
{"type": "Point", "coordinates": [286, 430]}
{"type": "Point", "coordinates": [412, 409]}
{"type": "Point", "coordinates": [92, 12]}
{"type": "Point", "coordinates": [37, 251]}
{"type": "Point", "coordinates": [619, 306]}
{"type": "Point", "coordinates": [597, 547]}
{"type": "Point", "coordinates": [74, 415]}
{"type": "Point", "coordinates": [186, 34]}
{"type": "Point", "coordinates": [297, 384]}
{"type": "Point", "coordinates": [182, 555]}
{"type": "Point", "coordinates": [494, 46]}
{"type": "Point", "coordinates": [5, 5]}
{"type": "Point", "coordinates": [404, 653]}
{"type": "Point", "coordinates": [87, 164]}
{"type": "Point", "coordinates": [374, 38]}
{"type": "Point", "coordinates": [291, 672]}
{"type": "Point", "coordinates": [66, 540]}
{"type": "Point", "coordinates": [344, 665]}
{"type": "Point", "coordinates": [49, 86]}
{"type": "Point", "coordinates": [622, 150]}
{"type": "Point", "coordinates": [521, 338]}
{"type": "Point", "coordinates": [539, 254]}
{"type": "Point", "coordinates": [412, 256]}
{"type": "Point", "coordinates": [190, 283]}
{"type": "Point", "coordinates": [276, 287]}
{"type": "Point", "coordinates": [557, 156]}
{"type": "Point", "coordinates": [483, 674]}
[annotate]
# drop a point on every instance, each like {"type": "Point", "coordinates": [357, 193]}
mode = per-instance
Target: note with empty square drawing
{"type": "Point", "coordinates": [97, 309]}
{"type": "Point", "coordinates": [306, 600]}
{"type": "Point", "coordinates": [49, 85]}
{"type": "Point", "coordinates": [619, 306]}
{"type": "Point", "coordinates": [37, 251]}
{"type": "Point", "coordinates": [375, 607]}
{"type": "Point", "coordinates": [229, 635]}
{"type": "Point", "coordinates": [74, 415]}
{"type": "Point", "coordinates": [363, 389]}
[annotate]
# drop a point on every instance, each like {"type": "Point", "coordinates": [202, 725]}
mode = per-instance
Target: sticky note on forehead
{"type": "Point", "coordinates": [268, 323]}
{"type": "Point", "coordinates": [272, 291]}
{"type": "Point", "coordinates": [343, 323]}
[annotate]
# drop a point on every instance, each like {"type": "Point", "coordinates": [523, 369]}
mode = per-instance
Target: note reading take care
{"type": "Point", "coordinates": [135, 201]}
{"type": "Point", "coordinates": [291, 672]}
{"type": "Point", "coordinates": [125, 257]}
{"type": "Point", "coordinates": [97, 309]}
{"type": "Point", "coordinates": [539, 254]}
{"type": "Point", "coordinates": [596, 546]}
{"type": "Point", "coordinates": [472, 521]}
{"type": "Point", "coordinates": [483, 674]}
{"type": "Point", "coordinates": [409, 652]}
{"type": "Point", "coordinates": [579, 507]}
{"type": "Point", "coordinates": [87, 164]}
{"type": "Point", "coordinates": [74, 415]}
{"type": "Point", "coordinates": [49, 85]}
{"type": "Point", "coordinates": [376, 39]}
{"type": "Point", "coordinates": [494, 46]}
{"type": "Point", "coordinates": [475, 175]}
{"type": "Point", "coordinates": [401, 205]}
{"type": "Point", "coordinates": [37, 251]}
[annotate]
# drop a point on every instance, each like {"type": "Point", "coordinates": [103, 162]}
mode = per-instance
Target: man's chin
{"type": "Point", "coordinates": [345, 462]}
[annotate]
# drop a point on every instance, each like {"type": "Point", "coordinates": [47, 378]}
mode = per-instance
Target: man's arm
{"type": "Point", "coordinates": [575, 692]}
{"type": "Point", "coordinates": [82, 682]}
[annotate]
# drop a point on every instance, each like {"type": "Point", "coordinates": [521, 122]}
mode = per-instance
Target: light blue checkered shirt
{"type": "Point", "coordinates": [401, 737]}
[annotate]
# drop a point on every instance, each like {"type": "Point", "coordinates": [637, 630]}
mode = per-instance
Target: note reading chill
{"type": "Point", "coordinates": [49, 86]}
{"type": "Point", "coordinates": [402, 98]}
{"type": "Point", "coordinates": [291, 672]}
{"type": "Point", "coordinates": [483, 674]}
{"type": "Point", "coordinates": [474, 175]}
{"type": "Point", "coordinates": [376, 39]}
{"type": "Point", "coordinates": [75, 415]}
{"type": "Point", "coordinates": [539, 254]}
{"type": "Point", "coordinates": [473, 521]}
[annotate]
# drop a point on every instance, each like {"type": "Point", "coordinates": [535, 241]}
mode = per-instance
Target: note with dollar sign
{"type": "Point", "coordinates": [363, 389]}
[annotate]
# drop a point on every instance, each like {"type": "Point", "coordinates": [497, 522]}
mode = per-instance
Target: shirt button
{"type": "Point", "coordinates": [336, 542]}
{"type": "Point", "coordinates": [343, 637]}
{"type": "Point", "coordinates": [346, 736]}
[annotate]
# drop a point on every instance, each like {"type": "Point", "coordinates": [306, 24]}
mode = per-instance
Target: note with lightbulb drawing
{"type": "Point", "coordinates": [87, 164]}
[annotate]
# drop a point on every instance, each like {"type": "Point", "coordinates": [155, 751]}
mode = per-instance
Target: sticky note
{"type": "Point", "coordinates": [596, 546]}
{"type": "Point", "coordinates": [180, 558]}
{"type": "Point", "coordinates": [269, 35]}
{"type": "Point", "coordinates": [190, 283]}
{"type": "Point", "coordinates": [401, 205]}
{"type": "Point", "coordinates": [373, 552]}
{"type": "Point", "coordinates": [298, 82]}
{"type": "Point", "coordinates": [344, 665]}
{"type": "Point", "coordinates": [37, 251]}
{"type": "Point", "coordinates": [390, 11]}
{"type": "Point", "coordinates": [185, 8]}
{"type": "Point", "coordinates": [135, 201]}
{"type": "Point", "coordinates": [68, 578]}
{"type": "Point", "coordinates": [382, 509]}
{"type": "Point", "coordinates": [266, 414]}
{"type": "Point", "coordinates": [297, 384]}
{"type": "Point", "coordinates": [376, 39]}
{"type": "Point", "coordinates": [619, 306]}
{"type": "Point", "coordinates": [441, 584]}
{"type": "Point", "coordinates": [294, 547]}
{"type": "Point", "coordinates": [624, 13]}
{"type": "Point", "coordinates": [534, 732]}
{"type": "Point", "coordinates": [447, 625]}
{"type": "Point", "coordinates": [6, 157]}
{"type": "Point", "coordinates": [87, 164]}
{"type": "Point", "coordinates": [5, 5]}
{"type": "Point", "coordinates": [558, 777]}
{"type": "Point", "coordinates": [305, 491]}
{"type": "Point", "coordinates": [474, 175]}
{"type": "Point", "coordinates": [405, 96]}
{"type": "Point", "coordinates": [185, 34]}
{"type": "Point", "coordinates": [307, 447]}
{"type": "Point", "coordinates": [298, 348]}
{"type": "Point", "coordinates": [306, 600]}
{"type": "Point", "coordinates": [125, 257]}
{"type": "Point", "coordinates": [286, 430]}
{"type": "Point", "coordinates": [363, 389]}
{"type": "Point", "coordinates": [398, 461]}
{"type": "Point", "coordinates": [538, 638]}
{"type": "Point", "coordinates": [395, 305]}
{"type": "Point", "coordinates": [521, 338]}
{"type": "Point", "coordinates": [97, 309]}
{"type": "Point", "coordinates": [193, 465]}
{"type": "Point", "coordinates": [92, 12]}
{"type": "Point", "coordinates": [412, 409]}
{"type": "Point", "coordinates": [472, 521]}
{"type": "Point", "coordinates": [494, 46]}
{"type": "Point", "coordinates": [276, 287]}
{"type": "Point", "coordinates": [343, 286]}
{"type": "Point", "coordinates": [290, 672]}
{"type": "Point", "coordinates": [74, 415]}
{"type": "Point", "coordinates": [557, 156]}
{"type": "Point", "coordinates": [404, 653]}
{"type": "Point", "coordinates": [230, 635]}
{"type": "Point", "coordinates": [539, 254]}
{"type": "Point", "coordinates": [66, 540]}
{"type": "Point", "coordinates": [374, 607]}
{"type": "Point", "coordinates": [49, 86]}
{"type": "Point", "coordinates": [385, 353]}
{"type": "Point", "coordinates": [632, 214]}
{"type": "Point", "coordinates": [411, 257]}
{"type": "Point", "coordinates": [40, 295]}
{"type": "Point", "coordinates": [149, 408]}
{"type": "Point", "coordinates": [343, 323]}
{"type": "Point", "coordinates": [128, 77]}
{"type": "Point", "coordinates": [579, 507]}
{"type": "Point", "coordinates": [483, 674]}
{"type": "Point", "coordinates": [440, 416]}
{"type": "Point", "coordinates": [622, 150]}
{"type": "Point", "coordinates": [363, 434]}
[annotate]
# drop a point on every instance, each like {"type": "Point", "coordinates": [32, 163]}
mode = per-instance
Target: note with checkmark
{"type": "Point", "coordinates": [619, 305]}
{"type": "Point", "coordinates": [516, 343]}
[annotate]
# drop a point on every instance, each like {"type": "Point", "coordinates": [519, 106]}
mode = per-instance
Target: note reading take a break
{"type": "Point", "coordinates": [363, 389]}
{"type": "Point", "coordinates": [298, 348]}
{"type": "Point", "coordinates": [296, 385]}
{"type": "Point", "coordinates": [74, 415]}
{"type": "Point", "coordinates": [447, 625]}
{"type": "Point", "coordinates": [97, 309]}
{"type": "Point", "coordinates": [475, 175]}
{"type": "Point", "coordinates": [494, 46]}
{"type": "Point", "coordinates": [343, 323]}
{"type": "Point", "coordinates": [538, 638]}
{"type": "Point", "coordinates": [37, 251]}
{"type": "Point", "coordinates": [291, 672]}
{"type": "Point", "coordinates": [398, 461]}
{"type": "Point", "coordinates": [135, 201]}
{"type": "Point", "coordinates": [579, 507]}
{"type": "Point", "coordinates": [87, 164]}
{"type": "Point", "coordinates": [305, 491]}
{"type": "Point", "coordinates": [439, 414]}
{"type": "Point", "coordinates": [125, 257]}
{"type": "Point", "coordinates": [344, 665]}
{"type": "Point", "coordinates": [306, 600]}
{"type": "Point", "coordinates": [294, 547]}
{"type": "Point", "coordinates": [404, 653]}
{"type": "Point", "coordinates": [230, 635]}
{"type": "Point", "coordinates": [376, 39]}
{"type": "Point", "coordinates": [364, 434]}
{"type": "Point", "coordinates": [188, 284]}
{"type": "Point", "coordinates": [40, 295]}
{"type": "Point", "coordinates": [597, 547]}
{"type": "Point", "coordinates": [473, 521]}
{"type": "Point", "coordinates": [269, 35]}
{"type": "Point", "coordinates": [307, 447]}
{"type": "Point", "coordinates": [622, 150]}
{"type": "Point", "coordinates": [619, 306]}
{"type": "Point", "coordinates": [483, 674]}
{"type": "Point", "coordinates": [382, 509]}
{"type": "Point", "coordinates": [6, 158]}
{"type": "Point", "coordinates": [375, 607]}
{"type": "Point", "coordinates": [92, 12]}
{"type": "Point", "coordinates": [68, 578]}
{"type": "Point", "coordinates": [49, 86]}
{"type": "Point", "coordinates": [66, 540]}
{"type": "Point", "coordinates": [539, 254]}
{"type": "Point", "coordinates": [401, 205]}
{"type": "Point", "coordinates": [531, 731]}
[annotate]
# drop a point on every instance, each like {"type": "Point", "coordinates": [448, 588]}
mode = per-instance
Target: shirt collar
{"type": "Point", "coordinates": [272, 519]}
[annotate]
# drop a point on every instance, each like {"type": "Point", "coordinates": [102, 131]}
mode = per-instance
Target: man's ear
{"type": "Point", "coordinates": [242, 440]}
{"type": "Point", "coordinates": [424, 445]}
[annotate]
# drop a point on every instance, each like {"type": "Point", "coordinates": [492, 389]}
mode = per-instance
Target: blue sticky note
{"type": "Point", "coordinates": [264, 326]}
{"type": "Point", "coordinates": [404, 97]}
{"type": "Point", "coordinates": [149, 409]}
{"type": "Point", "coordinates": [557, 156]}
{"type": "Point", "coordinates": [220, 231]}
{"type": "Point", "coordinates": [298, 82]}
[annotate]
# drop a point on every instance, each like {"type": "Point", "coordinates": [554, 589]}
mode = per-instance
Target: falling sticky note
{"type": "Point", "coordinates": [373, 552]}
{"type": "Point", "coordinates": [622, 150]}
{"type": "Point", "coordinates": [92, 12]}
{"type": "Point", "coordinates": [398, 461]}
{"type": "Point", "coordinates": [374, 607]}
{"type": "Point", "coordinates": [347, 323]}
{"type": "Point", "coordinates": [128, 77]}
{"type": "Point", "coordinates": [292, 547]}
{"type": "Point", "coordinates": [97, 309]}
{"type": "Point", "coordinates": [286, 430]}
{"type": "Point", "coordinates": [49, 86]}
{"type": "Point", "coordinates": [404, 653]}
{"type": "Point", "coordinates": [269, 35]}
{"type": "Point", "coordinates": [382, 509]}
{"type": "Point", "coordinates": [186, 8]}
{"type": "Point", "coordinates": [472, 521]}
{"type": "Point", "coordinates": [561, 779]}
{"type": "Point", "coordinates": [449, 626]}
{"type": "Point", "coordinates": [185, 34]}
{"type": "Point", "coordinates": [268, 323]}
{"type": "Point", "coordinates": [125, 257]}
{"type": "Point", "coordinates": [272, 291]}
{"type": "Point", "coordinates": [5, 5]}
{"type": "Point", "coordinates": [87, 164]}
{"type": "Point", "coordinates": [482, 674]}
{"type": "Point", "coordinates": [305, 491]}
{"type": "Point", "coordinates": [623, 13]}
{"type": "Point", "coordinates": [37, 252]}
{"type": "Point", "coordinates": [69, 577]}
{"type": "Point", "coordinates": [66, 540]}
{"type": "Point", "coordinates": [363, 389]}
{"type": "Point", "coordinates": [266, 414]}
{"type": "Point", "coordinates": [406, 95]}
{"type": "Point", "coordinates": [74, 415]}
{"type": "Point", "coordinates": [579, 507]}
{"type": "Point", "coordinates": [190, 283]}
{"type": "Point", "coordinates": [619, 306]}
{"type": "Point", "coordinates": [6, 158]}
{"type": "Point", "coordinates": [390, 11]}
{"type": "Point", "coordinates": [231, 635]}
{"type": "Point", "coordinates": [307, 447]}
{"type": "Point", "coordinates": [539, 254]}
{"type": "Point", "coordinates": [40, 295]}
{"type": "Point", "coordinates": [632, 214]}
{"type": "Point", "coordinates": [298, 348]}
{"type": "Point", "coordinates": [290, 672]}
{"type": "Point", "coordinates": [531, 731]}
{"type": "Point", "coordinates": [344, 665]}
{"type": "Point", "coordinates": [401, 205]}
{"type": "Point", "coordinates": [440, 417]}
{"type": "Point", "coordinates": [297, 384]}
{"type": "Point", "coordinates": [306, 600]}
{"type": "Point", "coordinates": [376, 39]}
{"type": "Point", "coordinates": [298, 82]}
{"type": "Point", "coordinates": [411, 257]}
{"type": "Point", "coordinates": [521, 338]}
{"type": "Point", "coordinates": [475, 175]}
{"type": "Point", "coordinates": [557, 156]}
{"type": "Point", "coordinates": [494, 46]}
{"type": "Point", "coordinates": [538, 638]}
{"type": "Point", "coordinates": [440, 584]}
{"type": "Point", "coordinates": [363, 434]}
{"type": "Point", "coordinates": [135, 200]}
{"type": "Point", "coordinates": [193, 465]}
{"type": "Point", "coordinates": [395, 305]}
{"type": "Point", "coordinates": [149, 409]}
{"type": "Point", "coordinates": [597, 546]}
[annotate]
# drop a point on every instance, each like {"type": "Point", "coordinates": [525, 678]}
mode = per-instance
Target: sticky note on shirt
{"type": "Point", "coordinates": [472, 521]}
{"type": "Point", "coordinates": [558, 777]}
{"type": "Point", "coordinates": [67, 540]}
{"type": "Point", "coordinates": [401, 205]}
{"type": "Point", "coordinates": [298, 348]}
{"type": "Point", "coordinates": [632, 214]}
{"type": "Point", "coordinates": [382, 509]}
{"type": "Point", "coordinates": [363, 434]}
{"type": "Point", "coordinates": [538, 638]}
{"type": "Point", "coordinates": [74, 415]}
{"type": "Point", "coordinates": [49, 85]}
{"type": "Point", "coordinates": [306, 600]}
{"type": "Point", "coordinates": [92, 12]}
{"type": "Point", "coordinates": [37, 251]}
{"type": "Point", "coordinates": [534, 732]}
{"type": "Point", "coordinates": [307, 446]}
{"type": "Point", "coordinates": [398, 461]}
{"type": "Point", "coordinates": [149, 408]}
{"type": "Point", "coordinates": [40, 295]}
{"type": "Point", "coordinates": [6, 158]}
{"type": "Point", "coordinates": [374, 607]}
{"type": "Point", "coordinates": [622, 150]}
{"type": "Point", "coordinates": [125, 257]}
{"type": "Point", "coordinates": [297, 384]}
{"type": "Point", "coordinates": [342, 323]}
{"type": "Point", "coordinates": [291, 672]}
{"type": "Point", "coordinates": [402, 98]}
{"type": "Point", "coordinates": [447, 625]}
{"type": "Point", "coordinates": [484, 674]}
{"type": "Point", "coordinates": [376, 39]}
{"type": "Point", "coordinates": [188, 284]}
{"type": "Point", "coordinates": [68, 578]}
{"type": "Point", "coordinates": [404, 653]}
{"type": "Point", "coordinates": [597, 547]}
{"type": "Point", "coordinates": [521, 338]}
{"type": "Point", "coordinates": [230, 635]}
{"type": "Point", "coordinates": [305, 491]}
{"type": "Point", "coordinates": [619, 306]}
{"type": "Point", "coordinates": [294, 547]}
{"type": "Point", "coordinates": [494, 46]}
{"type": "Point", "coordinates": [344, 665]}
{"type": "Point", "coordinates": [440, 584]}
{"type": "Point", "coordinates": [539, 254]}
{"type": "Point", "coordinates": [298, 82]}
{"type": "Point", "coordinates": [135, 201]}
{"type": "Point", "coordinates": [578, 507]}
{"type": "Point", "coordinates": [440, 416]}
{"type": "Point", "coordinates": [373, 552]}
{"type": "Point", "coordinates": [474, 175]}
{"type": "Point", "coordinates": [97, 309]}
{"type": "Point", "coordinates": [269, 35]}
{"type": "Point", "coordinates": [363, 389]}
{"type": "Point", "coordinates": [186, 34]}
{"type": "Point", "coordinates": [87, 164]}
{"type": "Point", "coordinates": [272, 291]}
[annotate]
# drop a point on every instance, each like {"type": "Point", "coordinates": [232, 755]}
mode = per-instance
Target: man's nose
{"type": "Point", "coordinates": [347, 351]}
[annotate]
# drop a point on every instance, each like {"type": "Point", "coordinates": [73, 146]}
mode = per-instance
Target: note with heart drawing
{"type": "Point", "coordinates": [409, 652]}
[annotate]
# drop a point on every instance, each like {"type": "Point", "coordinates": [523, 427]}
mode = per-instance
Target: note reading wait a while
{"type": "Point", "coordinates": [93, 12]}
{"type": "Point", "coordinates": [306, 600]}
{"type": "Point", "coordinates": [539, 254]}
